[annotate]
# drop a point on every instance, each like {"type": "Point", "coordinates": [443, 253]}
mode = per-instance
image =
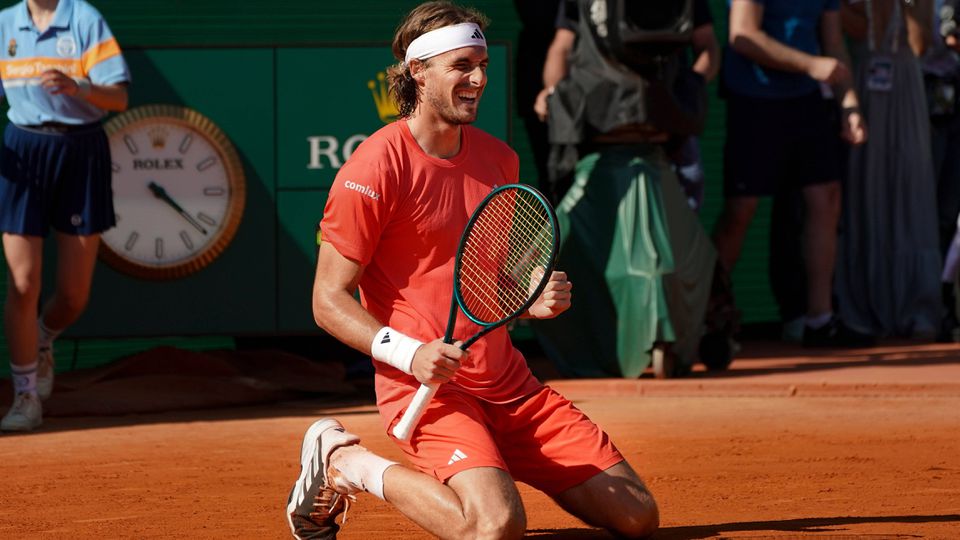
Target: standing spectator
{"type": "Point", "coordinates": [62, 71]}
{"type": "Point", "coordinates": [779, 130]}
{"type": "Point", "coordinates": [941, 67]}
{"type": "Point", "coordinates": [888, 272]}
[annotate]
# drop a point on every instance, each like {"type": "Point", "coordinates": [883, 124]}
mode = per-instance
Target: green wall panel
{"type": "Point", "coordinates": [299, 212]}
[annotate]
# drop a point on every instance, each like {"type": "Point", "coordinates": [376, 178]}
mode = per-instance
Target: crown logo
{"type": "Point", "coordinates": [158, 137]}
{"type": "Point", "coordinates": [386, 107]}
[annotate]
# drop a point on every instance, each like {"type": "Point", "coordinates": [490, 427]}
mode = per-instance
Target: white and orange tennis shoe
{"type": "Point", "coordinates": [314, 503]}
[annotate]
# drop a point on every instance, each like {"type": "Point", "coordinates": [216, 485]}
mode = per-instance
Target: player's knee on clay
{"type": "Point", "coordinates": [639, 520]}
{"type": "Point", "coordinates": [510, 523]}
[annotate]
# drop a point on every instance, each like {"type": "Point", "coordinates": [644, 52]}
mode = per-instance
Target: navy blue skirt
{"type": "Point", "coordinates": [55, 178]}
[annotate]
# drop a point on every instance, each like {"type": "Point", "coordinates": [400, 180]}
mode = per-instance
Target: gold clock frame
{"type": "Point", "coordinates": [236, 180]}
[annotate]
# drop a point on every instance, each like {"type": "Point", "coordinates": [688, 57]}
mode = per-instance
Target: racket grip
{"type": "Point", "coordinates": [411, 417]}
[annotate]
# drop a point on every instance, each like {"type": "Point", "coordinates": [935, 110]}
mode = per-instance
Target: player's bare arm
{"type": "Point", "coordinates": [749, 39]}
{"type": "Point", "coordinates": [110, 97]}
{"type": "Point", "coordinates": [337, 311]}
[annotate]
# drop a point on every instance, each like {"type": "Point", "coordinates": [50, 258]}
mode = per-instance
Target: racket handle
{"type": "Point", "coordinates": [411, 417]}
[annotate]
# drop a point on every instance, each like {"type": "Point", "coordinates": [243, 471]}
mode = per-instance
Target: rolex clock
{"type": "Point", "coordinates": [178, 192]}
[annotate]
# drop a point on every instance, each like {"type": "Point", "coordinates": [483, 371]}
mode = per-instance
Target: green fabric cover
{"type": "Point", "coordinates": [640, 264]}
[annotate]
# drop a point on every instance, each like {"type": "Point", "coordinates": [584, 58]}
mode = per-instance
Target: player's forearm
{"type": "Point", "coordinates": [339, 314]}
{"type": "Point", "coordinates": [109, 97]}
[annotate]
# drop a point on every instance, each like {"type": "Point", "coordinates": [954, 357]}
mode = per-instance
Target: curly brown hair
{"type": "Point", "coordinates": [424, 18]}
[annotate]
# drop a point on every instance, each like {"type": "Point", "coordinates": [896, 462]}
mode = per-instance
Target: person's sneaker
{"type": "Point", "coordinates": [45, 365]}
{"type": "Point", "coordinates": [313, 504]}
{"type": "Point", "coordinates": [25, 414]}
{"type": "Point", "coordinates": [836, 334]}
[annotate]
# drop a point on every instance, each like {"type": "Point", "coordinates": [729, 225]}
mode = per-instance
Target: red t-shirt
{"type": "Point", "coordinates": [400, 213]}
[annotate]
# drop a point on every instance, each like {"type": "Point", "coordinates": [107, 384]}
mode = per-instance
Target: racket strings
{"type": "Point", "coordinates": [511, 238]}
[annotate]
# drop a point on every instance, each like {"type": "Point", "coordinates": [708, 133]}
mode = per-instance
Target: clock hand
{"type": "Point", "coordinates": [161, 194]}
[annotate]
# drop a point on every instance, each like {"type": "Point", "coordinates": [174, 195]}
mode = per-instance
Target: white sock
{"type": "Point", "coordinates": [366, 467]}
{"type": "Point", "coordinates": [24, 378]}
{"type": "Point", "coordinates": [45, 336]}
{"type": "Point", "coordinates": [818, 320]}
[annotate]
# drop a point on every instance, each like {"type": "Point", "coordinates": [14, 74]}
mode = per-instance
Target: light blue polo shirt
{"type": "Point", "coordinates": [78, 43]}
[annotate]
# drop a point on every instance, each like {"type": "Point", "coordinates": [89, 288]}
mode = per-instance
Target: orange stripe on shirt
{"type": "Point", "coordinates": [98, 53]}
{"type": "Point", "coordinates": [30, 68]}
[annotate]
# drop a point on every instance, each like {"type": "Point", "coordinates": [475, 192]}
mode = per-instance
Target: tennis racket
{"type": "Point", "coordinates": [506, 255]}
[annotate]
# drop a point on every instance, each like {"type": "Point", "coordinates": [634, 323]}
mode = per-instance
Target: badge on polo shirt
{"type": "Point", "coordinates": [12, 47]}
{"type": "Point", "coordinates": [66, 46]}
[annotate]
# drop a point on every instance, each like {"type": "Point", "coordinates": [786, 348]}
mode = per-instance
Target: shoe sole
{"type": "Point", "coordinates": [311, 440]}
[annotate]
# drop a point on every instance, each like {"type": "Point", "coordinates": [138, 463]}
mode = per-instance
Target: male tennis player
{"type": "Point", "coordinates": [391, 228]}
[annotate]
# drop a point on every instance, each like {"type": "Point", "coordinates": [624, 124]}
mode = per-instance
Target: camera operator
{"type": "Point", "coordinates": [643, 262]}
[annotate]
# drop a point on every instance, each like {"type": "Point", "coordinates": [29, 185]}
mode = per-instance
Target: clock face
{"type": "Point", "coordinates": [178, 192]}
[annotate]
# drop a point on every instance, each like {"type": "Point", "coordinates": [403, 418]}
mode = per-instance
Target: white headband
{"type": "Point", "coordinates": [445, 39]}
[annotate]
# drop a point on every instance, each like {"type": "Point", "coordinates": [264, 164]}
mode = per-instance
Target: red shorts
{"type": "Point", "coordinates": [542, 440]}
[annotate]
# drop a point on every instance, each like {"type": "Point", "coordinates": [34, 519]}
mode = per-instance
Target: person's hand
{"type": "Point", "coordinates": [854, 129]}
{"type": "Point", "coordinates": [829, 70]}
{"type": "Point", "coordinates": [555, 298]}
{"type": "Point", "coordinates": [437, 362]}
{"type": "Point", "coordinates": [57, 82]}
{"type": "Point", "coordinates": [540, 104]}
{"type": "Point", "coordinates": [952, 42]}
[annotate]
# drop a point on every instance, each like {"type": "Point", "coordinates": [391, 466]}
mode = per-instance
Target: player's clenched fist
{"type": "Point", "coordinates": [436, 362]}
{"type": "Point", "coordinates": [555, 298]}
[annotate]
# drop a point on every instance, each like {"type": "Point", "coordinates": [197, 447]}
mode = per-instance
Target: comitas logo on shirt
{"type": "Point", "coordinates": [366, 190]}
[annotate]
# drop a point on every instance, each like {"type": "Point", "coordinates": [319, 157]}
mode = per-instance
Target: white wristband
{"type": "Point", "coordinates": [395, 349]}
{"type": "Point", "coordinates": [83, 86]}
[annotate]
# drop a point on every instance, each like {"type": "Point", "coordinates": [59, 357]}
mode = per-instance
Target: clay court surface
{"type": "Point", "coordinates": [784, 445]}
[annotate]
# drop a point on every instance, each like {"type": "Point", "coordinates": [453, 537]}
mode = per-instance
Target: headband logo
{"type": "Point", "coordinates": [477, 35]}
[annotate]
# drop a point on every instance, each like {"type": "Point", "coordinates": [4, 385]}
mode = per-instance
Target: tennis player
{"type": "Point", "coordinates": [391, 228]}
